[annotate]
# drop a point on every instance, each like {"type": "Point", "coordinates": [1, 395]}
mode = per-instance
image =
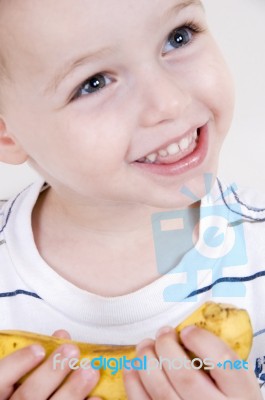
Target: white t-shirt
{"type": "Point", "coordinates": [226, 265]}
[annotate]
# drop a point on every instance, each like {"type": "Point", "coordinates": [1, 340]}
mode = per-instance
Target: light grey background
{"type": "Point", "coordinates": [239, 27]}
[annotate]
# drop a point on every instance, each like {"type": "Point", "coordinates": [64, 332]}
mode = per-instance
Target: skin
{"type": "Point", "coordinates": [85, 148]}
{"type": "Point", "coordinates": [185, 384]}
{"type": "Point", "coordinates": [44, 380]}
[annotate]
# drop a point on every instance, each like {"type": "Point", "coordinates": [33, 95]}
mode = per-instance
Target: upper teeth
{"type": "Point", "coordinates": [173, 148]}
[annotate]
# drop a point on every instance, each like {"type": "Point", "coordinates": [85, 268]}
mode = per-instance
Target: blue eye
{"type": "Point", "coordinates": [92, 85]}
{"type": "Point", "coordinates": [182, 36]}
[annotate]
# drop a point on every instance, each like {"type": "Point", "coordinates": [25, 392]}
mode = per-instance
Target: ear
{"type": "Point", "coordinates": [10, 150]}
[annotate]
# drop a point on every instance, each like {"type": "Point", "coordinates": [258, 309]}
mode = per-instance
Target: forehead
{"type": "Point", "coordinates": [65, 18]}
{"type": "Point", "coordinates": [50, 30]}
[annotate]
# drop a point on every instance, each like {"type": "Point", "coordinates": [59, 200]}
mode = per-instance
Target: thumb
{"type": "Point", "coordinates": [61, 333]}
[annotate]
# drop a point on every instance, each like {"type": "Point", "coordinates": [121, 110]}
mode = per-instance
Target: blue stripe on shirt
{"type": "Point", "coordinates": [194, 293]}
{"type": "Point", "coordinates": [19, 291]}
{"type": "Point", "coordinates": [259, 332]}
{"type": "Point", "coordinates": [228, 279]}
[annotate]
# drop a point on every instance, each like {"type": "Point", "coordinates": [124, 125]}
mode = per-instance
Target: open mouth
{"type": "Point", "coordinates": [175, 151]}
{"type": "Point", "coordinates": [178, 157]}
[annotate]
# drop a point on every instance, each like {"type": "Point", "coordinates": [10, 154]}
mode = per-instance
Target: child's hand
{"type": "Point", "coordinates": [190, 384]}
{"type": "Point", "coordinates": [45, 382]}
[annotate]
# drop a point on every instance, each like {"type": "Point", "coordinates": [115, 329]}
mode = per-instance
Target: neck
{"type": "Point", "coordinates": [109, 219]}
{"type": "Point", "coordinates": [91, 238]}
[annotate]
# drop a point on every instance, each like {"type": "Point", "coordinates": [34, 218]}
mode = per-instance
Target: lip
{"type": "Point", "coordinates": [168, 142]}
{"type": "Point", "coordinates": [187, 163]}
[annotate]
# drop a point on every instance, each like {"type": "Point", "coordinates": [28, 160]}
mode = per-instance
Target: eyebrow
{"type": "Point", "coordinates": [73, 64]}
{"type": "Point", "coordinates": [98, 55]}
{"type": "Point", "coordinates": [184, 4]}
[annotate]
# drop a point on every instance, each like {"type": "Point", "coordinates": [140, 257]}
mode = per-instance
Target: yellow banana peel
{"type": "Point", "coordinates": [231, 324]}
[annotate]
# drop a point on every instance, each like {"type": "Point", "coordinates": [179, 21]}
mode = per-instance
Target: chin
{"type": "Point", "coordinates": [183, 195]}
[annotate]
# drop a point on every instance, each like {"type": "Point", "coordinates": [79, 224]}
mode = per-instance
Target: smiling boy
{"type": "Point", "coordinates": [86, 145]}
{"type": "Point", "coordinates": [118, 105]}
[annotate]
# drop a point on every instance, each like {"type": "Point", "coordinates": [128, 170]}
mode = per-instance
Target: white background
{"type": "Point", "coordinates": [239, 27]}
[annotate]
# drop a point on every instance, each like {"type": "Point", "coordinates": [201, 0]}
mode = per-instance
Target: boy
{"type": "Point", "coordinates": [122, 107]}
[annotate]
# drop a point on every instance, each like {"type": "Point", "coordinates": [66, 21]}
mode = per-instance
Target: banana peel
{"type": "Point", "coordinates": [231, 324]}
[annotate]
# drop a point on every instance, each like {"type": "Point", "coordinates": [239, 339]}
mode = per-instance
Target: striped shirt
{"type": "Point", "coordinates": [226, 265]}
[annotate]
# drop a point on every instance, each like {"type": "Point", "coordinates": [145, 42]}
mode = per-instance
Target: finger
{"type": "Point", "coordinates": [95, 398]}
{"type": "Point", "coordinates": [186, 377]}
{"type": "Point", "coordinates": [16, 365]}
{"type": "Point", "coordinates": [133, 386]}
{"type": "Point", "coordinates": [78, 385]}
{"type": "Point", "coordinates": [231, 381]}
{"type": "Point", "coordinates": [153, 378]}
{"type": "Point", "coordinates": [49, 375]}
{"type": "Point", "coordinates": [61, 333]}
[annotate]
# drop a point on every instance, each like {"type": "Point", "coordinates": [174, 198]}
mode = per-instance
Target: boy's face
{"type": "Point", "coordinates": [153, 92]}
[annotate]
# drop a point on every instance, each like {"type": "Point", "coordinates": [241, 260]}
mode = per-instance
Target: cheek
{"type": "Point", "coordinates": [218, 90]}
{"type": "Point", "coordinates": [90, 141]}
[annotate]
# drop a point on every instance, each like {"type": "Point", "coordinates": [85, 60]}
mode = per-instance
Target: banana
{"type": "Point", "coordinates": [231, 324]}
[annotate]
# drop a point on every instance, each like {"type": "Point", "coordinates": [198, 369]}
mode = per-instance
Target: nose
{"type": "Point", "coordinates": [163, 96]}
